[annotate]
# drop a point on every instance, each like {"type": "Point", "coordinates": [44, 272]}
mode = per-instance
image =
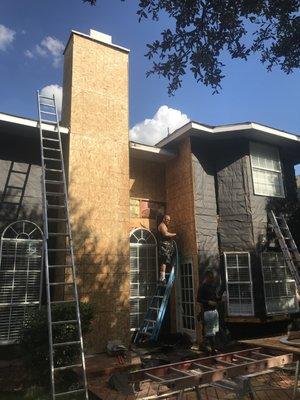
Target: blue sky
{"type": "Point", "coordinates": [249, 92]}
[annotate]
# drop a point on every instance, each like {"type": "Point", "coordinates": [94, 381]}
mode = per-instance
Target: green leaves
{"type": "Point", "coordinates": [204, 29]}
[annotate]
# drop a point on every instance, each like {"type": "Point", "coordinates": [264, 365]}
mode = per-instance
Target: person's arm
{"type": "Point", "coordinates": [164, 231]}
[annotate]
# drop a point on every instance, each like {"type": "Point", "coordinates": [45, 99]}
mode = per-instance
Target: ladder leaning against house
{"type": "Point", "coordinates": [287, 245]}
{"type": "Point", "coordinates": [154, 317]}
{"type": "Point", "coordinates": [57, 228]}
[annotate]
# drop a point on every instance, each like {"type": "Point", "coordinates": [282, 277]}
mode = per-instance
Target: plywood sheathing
{"type": "Point", "coordinates": [180, 206]}
{"type": "Point", "coordinates": [95, 106]}
{"type": "Point", "coordinates": [147, 182]}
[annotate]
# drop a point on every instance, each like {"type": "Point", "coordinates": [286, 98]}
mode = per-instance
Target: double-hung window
{"type": "Point", "coordinates": [238, 284]}
{"type": "Point", "coordinates": [266, 170]}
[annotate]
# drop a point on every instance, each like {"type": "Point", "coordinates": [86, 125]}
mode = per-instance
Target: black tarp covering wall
{"type": "Point", "coordinates": [22, 150]}
{"type": "Point", "coordinates": [205, 206]}
{"type": "Point", "coordinates": [229, 217]}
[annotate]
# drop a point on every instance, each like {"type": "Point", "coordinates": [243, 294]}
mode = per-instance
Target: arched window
{"type": "Point", "coordinates": [21, 260]}
{"type": "Point", "coordinates": [143, 274]}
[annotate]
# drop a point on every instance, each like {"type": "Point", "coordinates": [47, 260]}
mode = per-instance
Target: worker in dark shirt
{"type": "Point", "coordinates": [208, 298]}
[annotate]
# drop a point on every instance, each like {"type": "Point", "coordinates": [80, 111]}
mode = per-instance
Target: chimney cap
{"type": "Point", "coordinates": [101, 37]}
{"type": "Point", "coordinates": [97, 37]}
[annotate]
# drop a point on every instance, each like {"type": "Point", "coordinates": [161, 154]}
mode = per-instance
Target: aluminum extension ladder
{"type": "Point", "coordinates": [287, 245]}
{"type": "Point", "coordinates": [57, 228]}
{"type": "Point", "coordinates": [154, 317]}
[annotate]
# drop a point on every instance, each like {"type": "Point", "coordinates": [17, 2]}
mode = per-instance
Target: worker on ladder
{"type": "Point", "coordinates": [166, 247]}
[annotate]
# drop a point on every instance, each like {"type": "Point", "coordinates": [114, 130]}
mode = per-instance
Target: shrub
{"type": "Point", "coordinates": [35, 342]}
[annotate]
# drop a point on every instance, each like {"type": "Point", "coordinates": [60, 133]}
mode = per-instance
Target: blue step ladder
{"type": "Point", "coordinates": [150, 328]}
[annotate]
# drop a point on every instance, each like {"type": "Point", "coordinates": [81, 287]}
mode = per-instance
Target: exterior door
{"type": "Point", "coordinates": [21, 261]}
{"type": "Point", "coordinates": [186, 299]}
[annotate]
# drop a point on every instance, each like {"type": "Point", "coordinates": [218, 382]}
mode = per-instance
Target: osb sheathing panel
{"type": "Point", "coordinates": [99, 182]}
{"type": "Point", "coordinates": [180, 206]}
{"type": "Point", "coordinates": [147, 181]}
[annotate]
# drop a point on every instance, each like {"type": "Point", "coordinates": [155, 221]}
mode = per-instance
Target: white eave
{"type": "Point", "coordinates": [16, 121]}
{"type": "Point", "coordinates": [151, 153]}
{"type": "Point", "coordinates": [255, 132]}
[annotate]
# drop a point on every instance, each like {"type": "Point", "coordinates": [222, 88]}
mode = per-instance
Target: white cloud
{"type": "Point", "coordinates": [7, 36]}
{"type": "Point", "coordinates": [55, 90]}
{"type": "Point", "coordinates": [49, 47]}
{"type": "Point", "coordinates": [54, 47]}
{"type": "Point", "coordinates": [28, 54]}
{"type": "Point", "coordinates": [166, 120]}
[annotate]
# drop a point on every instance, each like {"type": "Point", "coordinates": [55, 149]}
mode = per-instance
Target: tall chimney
{"type": "Point", "coordinates": [95, 108]}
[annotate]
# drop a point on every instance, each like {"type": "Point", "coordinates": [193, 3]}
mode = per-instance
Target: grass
{"type": "Point", "coordinates": [33, 393]}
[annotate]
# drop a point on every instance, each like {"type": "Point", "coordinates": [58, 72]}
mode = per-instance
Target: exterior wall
{"type": "Point", "coordinates": [206, 213]}
{"type": "Point", "coordinates": [233, 191]}
{"type": "Point", "coordinates": [147, 185]}
{"type": "Point", "coordinates": [95, 106]}
{"type": "Point", "coordinates": [12, 150]}
{"type": "Point", "coordinates": [180, 206]}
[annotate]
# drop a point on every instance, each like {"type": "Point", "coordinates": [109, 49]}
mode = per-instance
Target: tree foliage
{"type": "Point", "coordinates": [201, 31]}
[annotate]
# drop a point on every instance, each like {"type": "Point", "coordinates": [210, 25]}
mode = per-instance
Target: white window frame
{"type": "Point", "coordinates": [139, 244]}
{"type": "Point", "coordinates": [17, 266]}
{"type": "Point", "coordinates": [288, 280]}
{"type": "Point", "coordinates": [237, 253]}
{"type": "Point", "coordinates": [273, 171]}
{"type": "Point", "coordinates": [179, 300]}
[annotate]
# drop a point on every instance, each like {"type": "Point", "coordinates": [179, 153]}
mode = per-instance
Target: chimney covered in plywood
{"type": "Point", "coordinates": [95, 107]}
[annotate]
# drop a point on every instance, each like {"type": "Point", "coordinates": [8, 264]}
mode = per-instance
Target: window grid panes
{"type": "Point", "coordinates": [187, 296]}
{"type": "Point", "coordinates": [279, 286]}
{"type": "Point", "coordinates": [20, 276]}
{"type": "Point", "coordinates": [143, 274]}
{"type": "Point", "coordinates": [239, 284]}
{"type": "Point", "coordinates": [266, 170]}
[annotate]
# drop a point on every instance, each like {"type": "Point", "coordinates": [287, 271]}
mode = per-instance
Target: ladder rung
{"type": "Point", "coordinates": [50, 139]}
{"type": "Point", "coordinates": [50, 149]}
{"type": "Point", "coordinates": [70, 392]}
{"type": "Point", "coordinates": [61, 283]}
{"type": "Point", "coordinates": [48, 112]}
{"type": "Point", "coordinates": [45, 97]}
{"type": "Point", "coordinates": [154, 308]}
{"type": "Point", "coordinates": [67, 367]}
{"type": "Point", "coordinates": [153, 321]}
{"type": "Point", "coordinates": [67, 249]}
{"type": "Point", "coordinates": [53, 182]}
{"type": "Point", "coordinates": [52, 159]}
{"type": "Point", "coordinates": [56, 219]}
{"type": "Point", "coordinates": [63, 301]}
{"type": "Point", "coordinates": [159, 297]}
{"type": "Point", "coordinates": [53, 170]}
{"type": "Point", "coordinates": [55, 206]}
{"type": "Point", "coordinates": [69, 321]}
{"type": "Point", "coordinates": [55, 194]}
{"type": "Point", "coordinates": [47, 121]}
{"type": "Point", "coordinates": [60, 266]}
{"type": "Point", "coordinates": [66, 343]}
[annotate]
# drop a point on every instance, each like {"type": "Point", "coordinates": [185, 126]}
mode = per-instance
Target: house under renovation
{"type": "Point", "coordinates": [216, 182]}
